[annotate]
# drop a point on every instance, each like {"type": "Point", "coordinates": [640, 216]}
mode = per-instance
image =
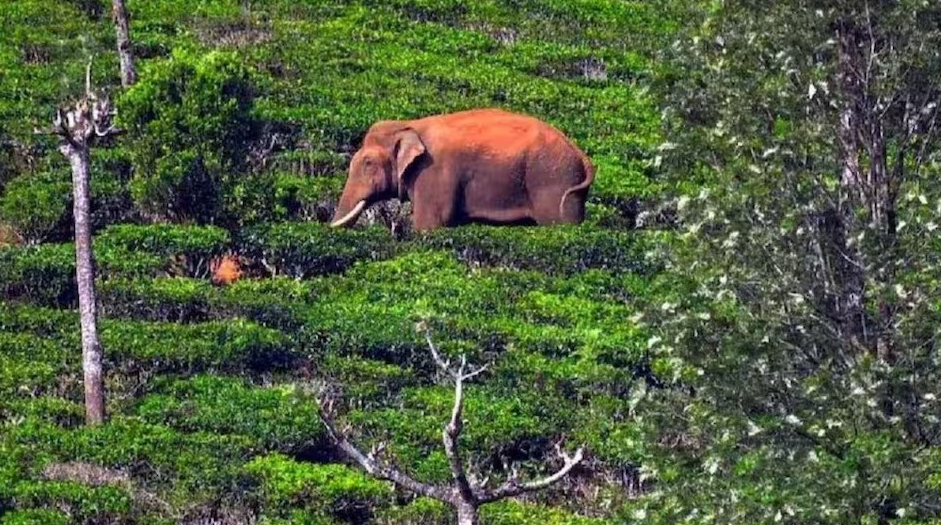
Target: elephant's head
{"type": "Point", "coordinates": [377, 171]}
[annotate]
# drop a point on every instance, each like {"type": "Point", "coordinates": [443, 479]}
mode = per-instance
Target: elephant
{"type": "Point", "coordinates": [486, 166]}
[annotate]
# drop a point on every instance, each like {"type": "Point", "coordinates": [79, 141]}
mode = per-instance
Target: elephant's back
{"type": "Point", "coordinates": [490, 128]}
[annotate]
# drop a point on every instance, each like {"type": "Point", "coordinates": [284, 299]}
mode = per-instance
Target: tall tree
{"type": "Point", "coordinates": [78, 126]}
{"type": "Point", "coordinates": [803, 140]}
{"type": "Point", "coordinates": [122, 27]}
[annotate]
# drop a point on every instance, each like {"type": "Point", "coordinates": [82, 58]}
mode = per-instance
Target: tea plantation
{"type": "Point", "coordinates": [210, 389]}
{"type": "Point", "coordinates": [740, 332]}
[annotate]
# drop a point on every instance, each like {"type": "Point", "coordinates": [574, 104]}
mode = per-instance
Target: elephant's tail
{"type": "Point", "coordinates": [581, 186]}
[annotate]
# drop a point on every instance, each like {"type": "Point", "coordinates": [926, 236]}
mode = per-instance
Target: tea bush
{"type": "Point", "coordinates": [307, 249]}
{"type": "Point", "coordinates": [274, 418]}
{"type": "Point", "coordinates": [339, 490]}
{"type": "Point", "coordinates": [554, 311]}
{"type": "Point", "coordinates": [36, 205]}
{"type": "Point", "coordinates": [45, 274]}
{"type": "Point", "coordinates": [558, 250]}
{"type": "Point", "coordinates": [166, 240]}
{"type": "Point", "coordinates": [232, 345]}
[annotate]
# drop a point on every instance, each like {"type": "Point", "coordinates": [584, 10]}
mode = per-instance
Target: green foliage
{"type": "Point", "coordinates": [307, 249]}
{"type": "Point", "coordinates": [45, 274]}
{"type": "Point", "coordinates": [337, 489]}
{"type": "Point", "coordinates": [273, 418]}
{"type": "Point", "coordinates": [554, 310]}
{"type": "Point", "coordinates": [799, 323]}
{"type": "Point", "coordinates": [35, 205]}
{"type": "Point", "coordinates": [557, 250]}
{"type": "Point", "coordinates": [31, 516]}
{"type": "Point", "coordinates": [82, 503]}
{"type": "Point", "coordinates": [190, 118]}
{"type": "Point", "coordinates": [172, 299]}
{"type": "Point", "coordinates": [167, 240]}
{"type": "Point", "coordinates": [231, 345]}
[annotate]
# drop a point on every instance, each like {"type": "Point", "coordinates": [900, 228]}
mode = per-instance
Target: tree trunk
{"type": "Point", "coordinates": [85, 277]}
{"type": "Point", "coordinates": [467, 514]}
{"type": "Point", "coordinates": [851, 279]}
{"type": "Point", "coordinates": [125, 53]}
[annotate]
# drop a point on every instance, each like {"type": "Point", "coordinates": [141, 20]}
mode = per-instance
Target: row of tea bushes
{"type": "Point", "coordinates": [126, 254]}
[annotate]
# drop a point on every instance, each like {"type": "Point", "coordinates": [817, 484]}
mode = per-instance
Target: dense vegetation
{"type": "Point", "coordinates": [702, 355]}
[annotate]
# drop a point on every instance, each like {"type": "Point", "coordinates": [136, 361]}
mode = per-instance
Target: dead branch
{"type": "Point", "coordinates": [513, 487]}
{"type": "Point", "coordinates": [466, 493]}
{"type": "Point", "coordinates": [370, 462]}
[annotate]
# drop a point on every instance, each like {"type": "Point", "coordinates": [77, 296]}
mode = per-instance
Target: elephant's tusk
{"type": "Point", "coordinates": [354, 213]}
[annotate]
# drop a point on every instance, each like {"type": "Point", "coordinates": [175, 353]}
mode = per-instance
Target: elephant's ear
{"type": "Point", "coordinates": [408, 147]}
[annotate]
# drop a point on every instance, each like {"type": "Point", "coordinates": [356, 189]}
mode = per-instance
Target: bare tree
{"type": "Point", "coordinates": [78, 127]}
{"type": "Point", "coordinates": [125, 52]}
{"type": "Point", "coordinates": [465, 493]}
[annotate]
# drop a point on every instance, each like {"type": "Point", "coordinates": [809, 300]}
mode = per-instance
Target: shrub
{"type": "Point", "coordinates": [342, 491]}
{"type": "Point", "coordinates": [196, 243]}
{"type": "Point", "coordinates": [45, 274]}
{"type": "Point", "coordinates": [31, 365]}
{"type": "Point", "coordinates": [273, 418]}
{"type": "Point", "coordinates": [557, 250]}
{"type": "Point", "coordinates": [33, 516]}
{"type": "Point", "coordinates": [183, 468]}
{"type": "Point", "coordinates": [36, 205]}
{"type": "Point", "coordinates": [167, 299]}
{"type": "Point", "coordinates": [509, 512]}
{"type": "Point", "coordinates": [190, 119]}
{"type": "Point", "coordinates": [307, 249]}
{"type": "Point", "coordinates": [187, 250]}
{"type": "Point", "coordinates": [83, 503]}
{"type": "Point", "coordinates": [234, 345]}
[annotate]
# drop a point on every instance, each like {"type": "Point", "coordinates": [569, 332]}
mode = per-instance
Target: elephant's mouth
{"type": "Point", "coordinates": [351, 216]}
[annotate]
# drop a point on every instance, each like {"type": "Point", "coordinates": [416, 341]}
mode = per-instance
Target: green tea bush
{"type": "Point", "coordinates": [420, 511]}
{"type": "Point", "coordinates": [273, 302]}
{"type": "Point", "coordinates": [199, 243]}
{"type": "Point", "coordinates": [45, 274]}
{"type": "Point", "coordinates": [498, 427]}
{"type": "Point", "coordinates": [31, 365]}
{"type": "Point", "coordinates": [39, 321]}
{"type": "Point", "coordinates": [45, 516]}
{"type": "Point", "coordinates": [342, 491]}
{"type": "Point", "coordinates": [82, 503]}
{"type": "Point", "coordinates": [305, 198]}
{"type": "Point", "coordinates": [275, 418]}
{"type": "Point", "coordinates": [175, 299]}
{"type": "Point", "coordinates": [190, 119]}
{"type": "Point", "coordinates": [37, 205]}
{"type": "Point", "coordinates": [232, 345]}
{"type": "Point", "coordinates": [366, 381]}
{"type": "Point", "coordinates": [558, 250]}
{"type": "Point", "coordinates": [306, 249]}
{"type": "Point", "coordinates": [183, 467]}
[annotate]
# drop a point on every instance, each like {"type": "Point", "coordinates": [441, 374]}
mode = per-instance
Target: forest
{"type": "Point", "coordinates": [743, 330]}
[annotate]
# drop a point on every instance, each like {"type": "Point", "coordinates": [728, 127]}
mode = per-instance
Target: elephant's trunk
{"type": "Point", "coordinates": [351, 216]}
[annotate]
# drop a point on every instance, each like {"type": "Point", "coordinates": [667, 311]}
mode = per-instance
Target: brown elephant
{"type": "Point", "coordinates": [484, 165]}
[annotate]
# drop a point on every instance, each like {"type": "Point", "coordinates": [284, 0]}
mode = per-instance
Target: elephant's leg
{"type": "Point", "coordinates": [428, 216]}
{"type": "Point", "coordinates": [547, 209]}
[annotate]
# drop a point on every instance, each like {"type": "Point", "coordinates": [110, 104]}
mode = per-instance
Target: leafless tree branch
{"type": "Point", "coordinates": [370, 463]}
{"type": "Point", "coordinates": [513, 486]}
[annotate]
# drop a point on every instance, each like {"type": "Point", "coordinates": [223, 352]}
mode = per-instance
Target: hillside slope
{"type": "Point", "coordinates": [210, 388]}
